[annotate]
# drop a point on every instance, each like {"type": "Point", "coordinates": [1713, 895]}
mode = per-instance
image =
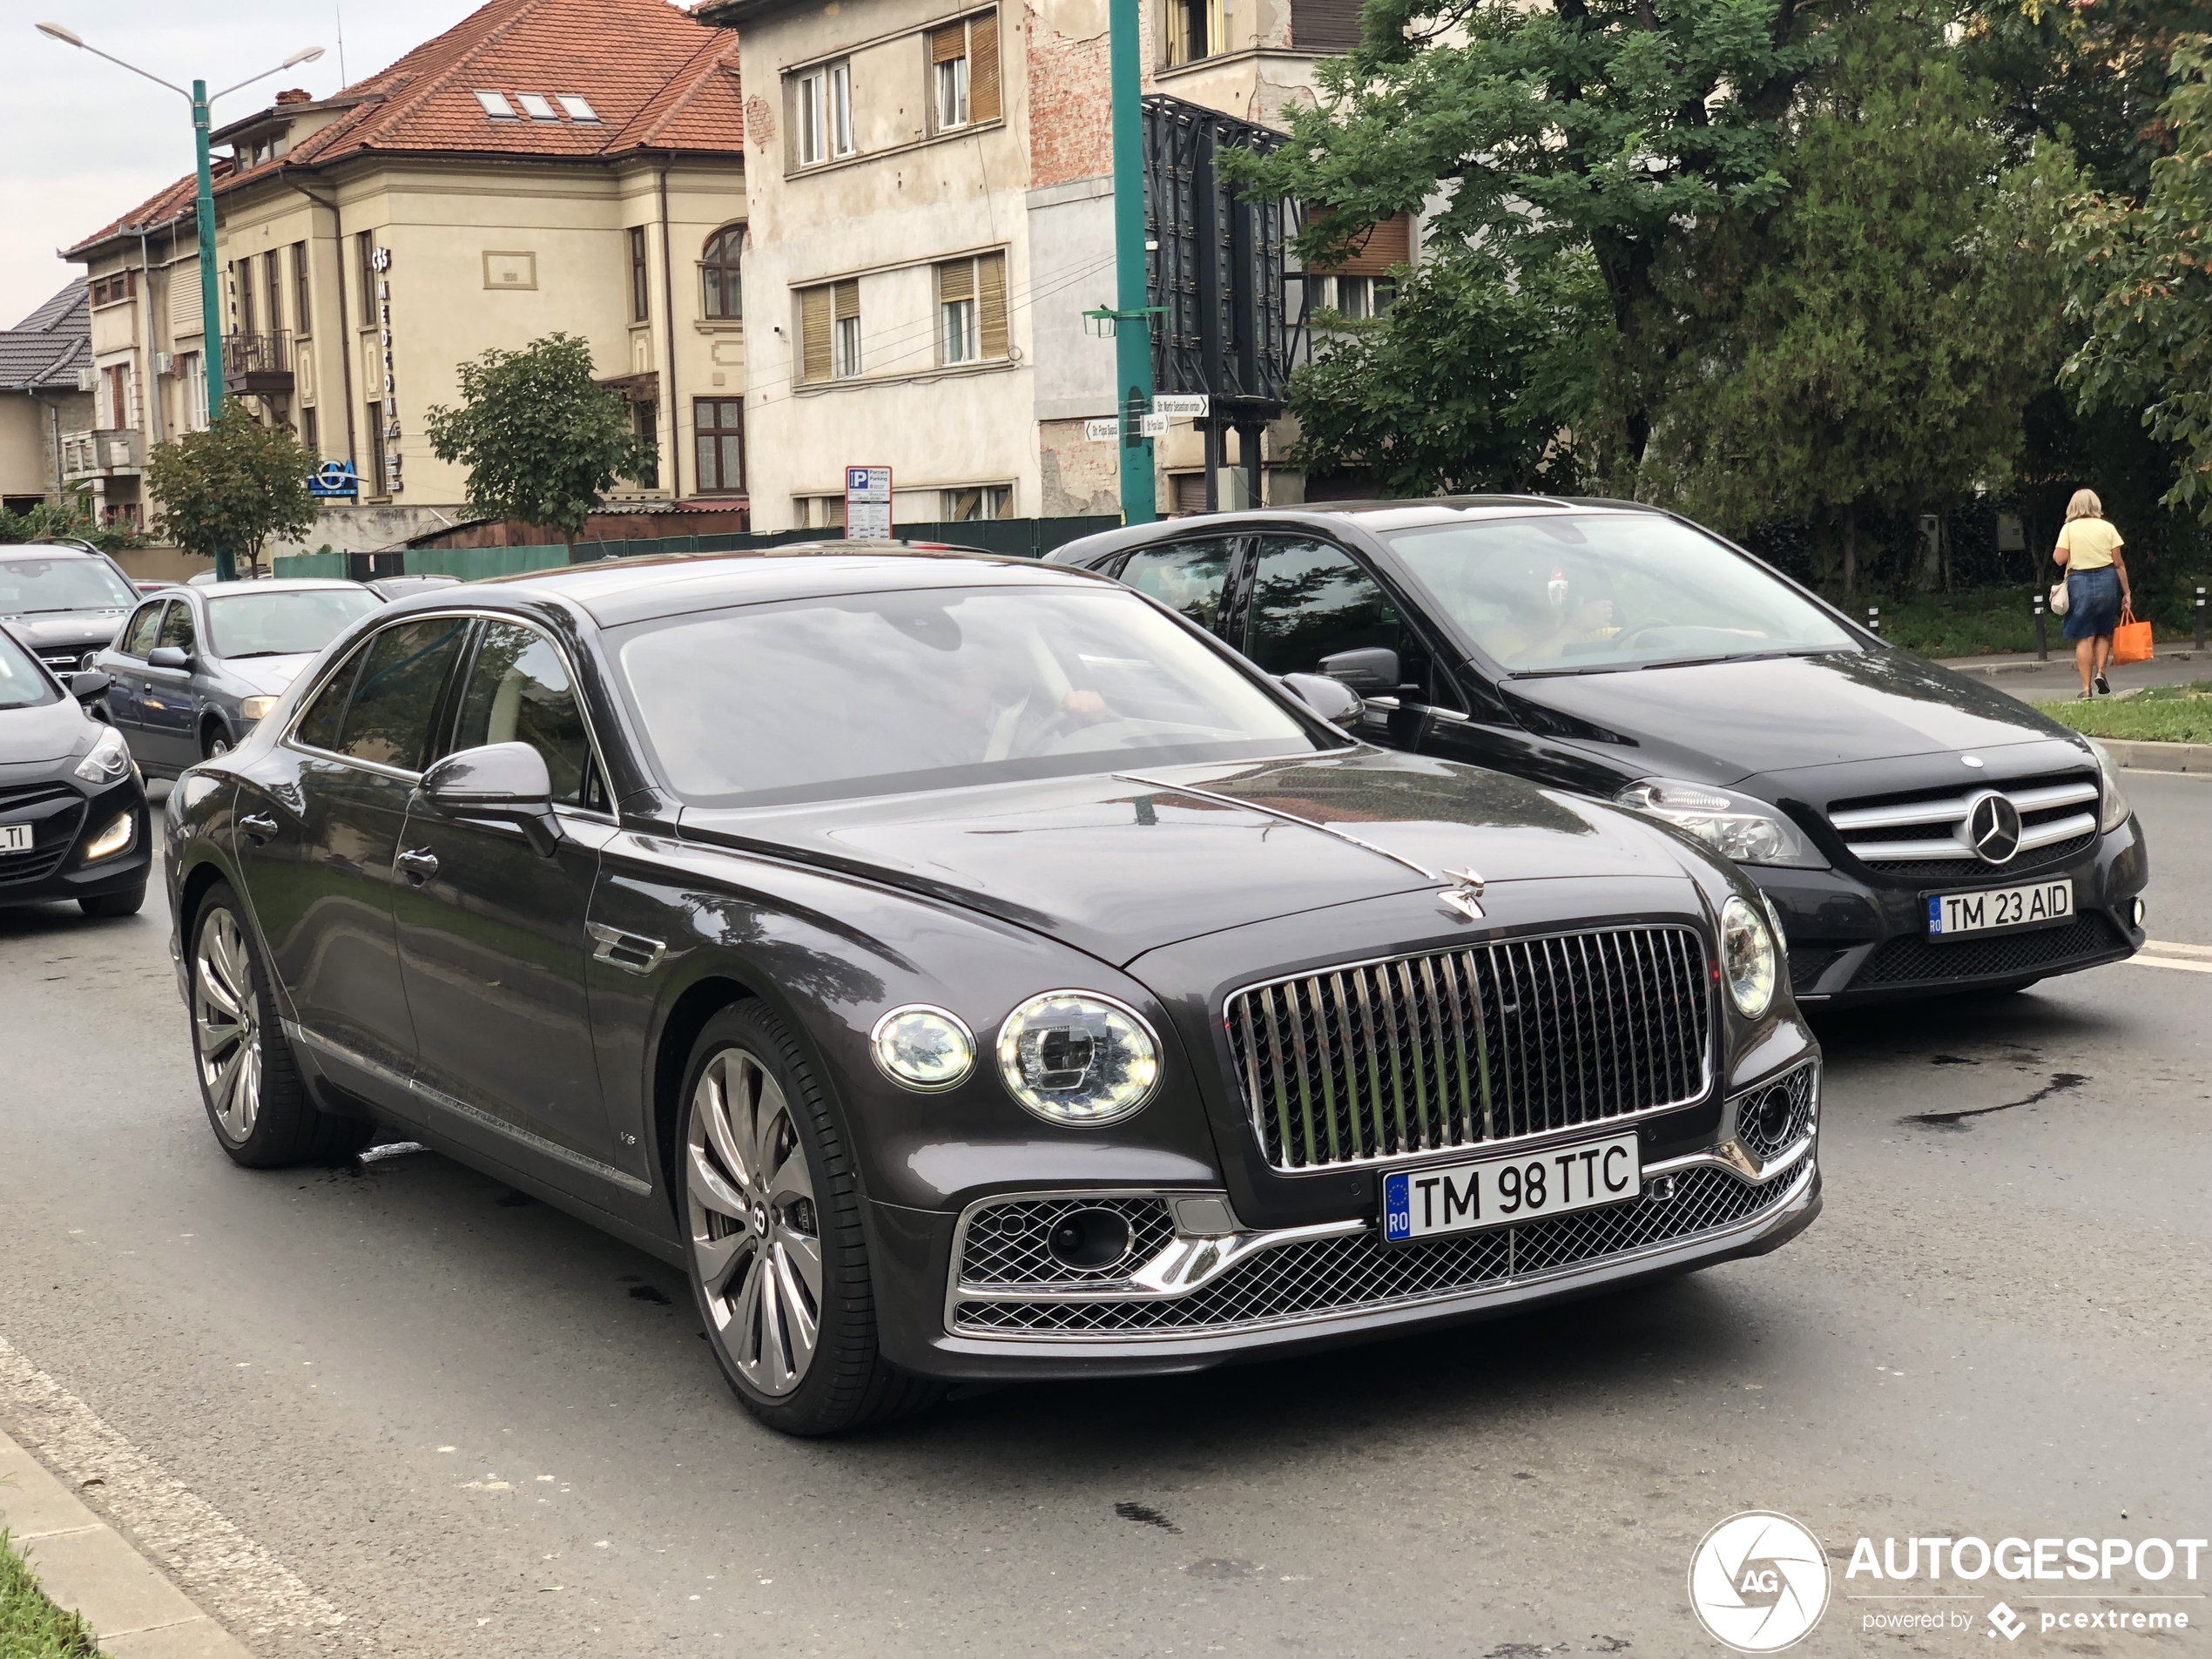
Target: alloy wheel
{"type": "Point", "coordinates": [754, 1229]}
{"type": "Point", "coordinates": [226, 1025]}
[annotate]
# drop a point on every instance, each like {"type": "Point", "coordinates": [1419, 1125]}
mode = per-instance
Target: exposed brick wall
{"type": "Point", "coordinates": [1071, 126]}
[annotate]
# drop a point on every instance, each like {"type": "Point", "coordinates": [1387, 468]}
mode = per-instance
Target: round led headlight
{"type": "Point", "coordinates": [1076, 1057]}
{"type": "Point", "coordinates": [921, 1048]}
{"type": "Point", "coordinates": [1747, 958]}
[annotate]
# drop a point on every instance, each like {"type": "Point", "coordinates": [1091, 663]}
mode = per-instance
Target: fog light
{"type": "Point", "coordinates": [1089, 1238]}
{"type": "Point", "coordinates": [116, 838]}
{"type": "Point", "coordinates": [2139, 910]}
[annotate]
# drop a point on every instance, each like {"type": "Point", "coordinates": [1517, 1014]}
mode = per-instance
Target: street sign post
{"type": "Point", "coordinates": [1184, 406]}
{"type": "Point", "coordinates": [867, 503]}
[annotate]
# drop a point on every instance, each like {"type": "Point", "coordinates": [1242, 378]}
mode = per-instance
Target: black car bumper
{"type": "Point", "coordinates": [1854, 940]}
{"type": "Point", "coordinates": [64, 815]}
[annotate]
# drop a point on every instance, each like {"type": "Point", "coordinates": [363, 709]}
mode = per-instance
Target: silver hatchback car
{"type": "Point", "coordinates": [195, 667]}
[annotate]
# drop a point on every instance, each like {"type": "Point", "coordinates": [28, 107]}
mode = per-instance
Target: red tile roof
{"type": "Point", "coordinates": [657, 79]}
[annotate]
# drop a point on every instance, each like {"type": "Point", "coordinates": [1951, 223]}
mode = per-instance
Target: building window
{"type": "Point", "coordinates": [364, 252]}
{"type": "Point", "coordinates": [301, 317]}
{"type": "Point", "coordinates": [840, 108]}
{"type": "Point", "coordinates": [971, 309]}
{"type": "Point", "coordinates": [718, 272]}
{"type": "Point", "coordinates": [1196, 29]}
{"type": "Point", "coordinates": [813, 118]}
{"type": "Point", "coordinates": [115, 392]}
{"type": "Point", "coordinates": [1355, 298]}
{"type": "Point", "coordinates": [111, 290]}
{"type": "Point", "coordinates": [273, 267]}
{"type": "Point", "coordinates": [719, 425]}
{"type": "Point", "coordinates": [372, 475]}
{"type": "Point", "coordinates": [640, 283]}
{"type": "Point", "coordinates": [310, 434]}
{"type": "Point", "coordinates": [495, 106]}
{"type": "Point", "coordinates": [820, 512]}
{"type": "Point", "coordinates": [1363, 284]}
{"type": "Point", "coordinates": [242, 275]}
{"type": "Point", "coordinates": [192, 369]}
{"type": "Point", "coordinates": [644, 421]}
{"type": "Point", "coordinates": [949, 65]}
{"type": "Point", "coordinates": [986, 501]}
{"type": "Point", "coordinates": [829, 331]}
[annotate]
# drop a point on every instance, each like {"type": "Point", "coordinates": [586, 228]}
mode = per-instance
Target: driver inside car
{"type": "Point", "coordinates": [1539, 613]}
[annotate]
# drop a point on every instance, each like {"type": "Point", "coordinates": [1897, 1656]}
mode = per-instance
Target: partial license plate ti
{"type": "Point", "coordinates": [15, 837]}
{"type": "Point", "coordinates": [1497, 1193]}
{"type": "Point", "coordinates": [1951, 914]}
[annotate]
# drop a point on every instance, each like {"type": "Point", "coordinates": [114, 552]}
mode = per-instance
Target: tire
{"type": "Point", "coordinates": [126, 903]}
{"type": "Point", "coordinates": [215, 740]}
{"type": "Point", "coordinates": [249, 1080]}
{"type": "Point", "coordinates": [770, 1212]}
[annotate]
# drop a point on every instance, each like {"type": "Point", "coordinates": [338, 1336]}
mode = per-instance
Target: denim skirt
{"type": "Point", "coordinates": [2092, 603]}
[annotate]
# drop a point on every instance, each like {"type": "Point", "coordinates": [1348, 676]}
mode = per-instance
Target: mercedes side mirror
{"type": "Point", "coordinates": [1373, 670]}
{"type": "Point", "coordinates": [168, 656]}
{"type": "Point", "coordinates": [501, 783]}
{"type": "Point", "coordinates": [1333, 700]}
{"type": "Point", "coordinates": [88, 684]}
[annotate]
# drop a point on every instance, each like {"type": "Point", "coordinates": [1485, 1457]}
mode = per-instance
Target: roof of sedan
{"type": "Point", "coordinates": [1371, 516]}
{"type": "Point", "coordinates": [273, 584]}
{"type": "Point", "coordinates": [614, 592]}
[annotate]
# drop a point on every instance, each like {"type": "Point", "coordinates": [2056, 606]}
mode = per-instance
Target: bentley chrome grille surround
{"type": "Point", "coordinates": [1375, 1061]}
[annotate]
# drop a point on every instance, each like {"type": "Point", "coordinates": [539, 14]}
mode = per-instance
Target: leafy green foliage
{"type": "Point", "coordinates": [31, 1626]}
{"type": "Point", "coordinates": [1465, 384]}
{"type": "Point", "coordinates": [1899, 311]}
{"type": "Point", "coordinates": [2146, 289]}
{"type": "Point", "coordinates": [71, 518]}
{"type": "Point", "coordinates": [232, 485]}
{"type": "Point", "coordinates": [542, 439]}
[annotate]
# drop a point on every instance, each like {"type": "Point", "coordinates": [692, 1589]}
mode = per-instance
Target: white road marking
{"type": "Point", "coordinates": [2173, 948]}
{"type": "Point", "coordinates": [2146, 960]}
{"type": "Point", "coordinates": [217, 1564]}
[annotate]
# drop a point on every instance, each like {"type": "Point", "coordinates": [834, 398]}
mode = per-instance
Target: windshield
{"type": "Point", "coordinates": [878, 693]}
{"type": "Point", "coordinates": [21, 683]}
{"type": "Point", "coordinates": [28, 586]}
{"type": "Point", "coordinates": [283, 624]}
{"type": "Point", "coordinates": [1588, 592]}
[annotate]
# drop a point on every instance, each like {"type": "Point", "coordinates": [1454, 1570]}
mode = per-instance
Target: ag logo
{"type": "Point", "coordinates": [1758, 1582]}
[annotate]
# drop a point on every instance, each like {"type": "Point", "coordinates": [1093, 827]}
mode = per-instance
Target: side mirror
{"type": "Point", "coordinates": [88, 684]}
{"type": "Point", "coordinates": [168, 656]}
{"type": "Point", "coordinates": [502, 783]}
{"type": "Point", "coordinates": [1373, 670]}
{"type": "Point", "coordinates": [1333, 700]}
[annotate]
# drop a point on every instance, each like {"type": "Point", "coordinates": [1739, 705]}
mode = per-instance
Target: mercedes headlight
{"type": "Point", "coordinates": [921, 1048]}
{"type": "Point", "coordinates": [1747, 958]}
{"type": "Point", "coordinates": [1736, 826]}
{"type": "Point", "coordinates": [108, 760]}
{"type": "Point", "coordinates": [257, 708]}
{"type": "Point", "coordinates": [2115, 804]}
{"type": "Point", "coordinates": [1075, 1057]}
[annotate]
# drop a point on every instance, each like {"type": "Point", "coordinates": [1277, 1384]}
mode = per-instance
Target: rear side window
{"type": "Point", "coordinates": [1311, 600]}
{"type": "Point", "coordinates": [319, 726]}
{"type": "Point", "coordinates": [388, 720]}
{"type": "Point", "coordinates": [177, 627]}
{"type": "Point", "coordinates": [1187, 576]}
{"type": "Point", "coordinates": [138, 638]}
{"type": "Point", "coordinates": [518, 692]}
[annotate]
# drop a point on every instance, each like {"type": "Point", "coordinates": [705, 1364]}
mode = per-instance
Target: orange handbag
{"type": "Point", "coordinates": [2131, 639]}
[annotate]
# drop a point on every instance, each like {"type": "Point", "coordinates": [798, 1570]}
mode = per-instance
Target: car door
{"type": "Point", "coordinates": [319, 821]}
{"type": "Point", "coordinates": [491, 931]}
{"type": "Point", "coordinates": [1191, 577]}
{"type": "Point", "coordinates": [125, 664]}
{"type": "Point", "coordinates": [166, 706]}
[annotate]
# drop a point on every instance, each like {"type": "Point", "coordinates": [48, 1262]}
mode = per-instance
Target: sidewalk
{"type": "Point", "coordinates": [2031, 681]}
{"type": "Point", "coordinates": [84, 1563]}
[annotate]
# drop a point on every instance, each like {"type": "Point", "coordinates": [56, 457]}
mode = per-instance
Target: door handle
{"type": "Point", "coordinates": [420, 863]}
{"type": "Point", "coordinates": [260, 825]}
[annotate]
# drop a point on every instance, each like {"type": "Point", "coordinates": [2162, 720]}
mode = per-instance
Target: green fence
{"type": "Point", "coordinates": [326, 565]}
{"type": "Point", "coordinates": [475, 564]}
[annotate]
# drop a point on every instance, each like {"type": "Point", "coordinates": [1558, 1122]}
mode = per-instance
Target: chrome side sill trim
{"type": "Point", "coordinates": [296, 1032]}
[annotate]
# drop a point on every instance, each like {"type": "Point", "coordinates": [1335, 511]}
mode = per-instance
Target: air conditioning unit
{"type": "Point", "coordinates": [85, 379]}
{"type": "Point", "coordinates": [165, 362]}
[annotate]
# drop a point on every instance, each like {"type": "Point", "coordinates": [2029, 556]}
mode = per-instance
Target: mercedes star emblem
{"type": "Point", "coordinates": [1993, 826]}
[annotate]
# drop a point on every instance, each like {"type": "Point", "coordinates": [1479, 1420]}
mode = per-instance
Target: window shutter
{"type": "Point", "coordinates": [848, 299]}
{"type": "Point", "coordinates": [948, 42]}
{"type": "Point", "coordinates": [983, 68]}
{"type": "Point", "coordinates": [955, 280]}
{"type": "Point", "coordinates": [814, 334]}
{"type": "Point", "coordinates": [990, 309]}
{"type": "Point", "coordinates": [1389, 243]}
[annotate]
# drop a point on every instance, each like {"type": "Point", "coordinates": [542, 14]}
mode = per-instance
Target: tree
{"type": "Point", "coordinates": [233, 484]}
{"type": "Point", "coordinates": [1898, 314]}
{"type": "Point", "coordinates": [2146, 289]}
{"type": "Point", "coordinates": [1466, 383]}
{"type": "Point", "coordinates": [1623, 131]}
{"type": "Point", "coordinates": [542, 439]}
{"type": "Point", "coordinates": [70, 517]}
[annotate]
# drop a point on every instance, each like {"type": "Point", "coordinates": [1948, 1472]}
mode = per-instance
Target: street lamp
{"type": "Point", "coordinates": [210, 309]}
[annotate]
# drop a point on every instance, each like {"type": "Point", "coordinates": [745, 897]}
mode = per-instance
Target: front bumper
{"type": "Point", "coordinates": [64, 818]}
{"type": "Point", "coordinates": [1854, 940]}
{"type": "Point", "coordinates": [1197, 1290]}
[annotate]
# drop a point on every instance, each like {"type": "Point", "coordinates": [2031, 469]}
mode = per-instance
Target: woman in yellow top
{"type": "Point", "coordinates": [2096, 588]}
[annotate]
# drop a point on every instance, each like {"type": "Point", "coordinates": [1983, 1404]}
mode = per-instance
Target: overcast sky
{"type": "Point", "coordinates": [85, 141]}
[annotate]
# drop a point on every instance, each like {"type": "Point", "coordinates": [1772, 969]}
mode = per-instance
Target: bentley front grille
{"type": "Point", "coordinates": [1379, 1061]}
{"type": "Point", "coordinates": [1928, 834]}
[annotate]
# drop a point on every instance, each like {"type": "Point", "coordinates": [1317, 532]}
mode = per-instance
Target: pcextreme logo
{"type": "Point", "coordinates": [1759, 1581]}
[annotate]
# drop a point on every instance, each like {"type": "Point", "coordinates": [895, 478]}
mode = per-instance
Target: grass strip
{"type": "Point", "coordinates": [31, 1626]}
{"type": "Point", "coordinates": [2161, 714]}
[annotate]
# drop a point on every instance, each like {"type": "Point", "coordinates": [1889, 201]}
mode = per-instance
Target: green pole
{"type": "Point", "coordinates": [1133, 329]}
{"type": "Point", "coordinates": [210, 304]}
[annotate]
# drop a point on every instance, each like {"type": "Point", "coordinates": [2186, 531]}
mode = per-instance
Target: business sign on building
{"type": "Point", "coordinates": [867, 502]}
{"type": "Point", "coordinates": [333, 481]}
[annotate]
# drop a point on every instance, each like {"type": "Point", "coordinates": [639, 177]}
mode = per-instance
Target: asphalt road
{"type": "Point", "coordinates": [474, 1427]}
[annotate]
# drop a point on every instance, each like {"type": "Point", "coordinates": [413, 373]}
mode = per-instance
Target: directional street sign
{"type": "Point", "coordinates": [1106, 431]}
{"type": "Point", "coordinates": [1186, 406]}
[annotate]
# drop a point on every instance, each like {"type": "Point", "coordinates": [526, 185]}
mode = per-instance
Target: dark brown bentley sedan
{"type": "Point", "coordinates": [966, 968]}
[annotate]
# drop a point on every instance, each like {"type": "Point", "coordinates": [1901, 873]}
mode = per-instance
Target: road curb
{"type": "Point", "coordinates": [2060, 662]}
{"type": "Point", "coordinates": [85, 1564]}
{"type": "Point", "coordinates": [2140, 755]}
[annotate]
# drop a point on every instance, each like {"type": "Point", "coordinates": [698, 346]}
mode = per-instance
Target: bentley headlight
{"type": "Point", "coordinates": [1747, 958]}
{"type": "Point", "coordinates": [2115, 804]}
{"type": "Point", "coordinates": [1076, 1057]}
{"type": "Point", "coordinates": [107, 761]}
{"type": "Point", "coordinates": [1736, 826]}
{"type": "Point", "coordinates": [257, 708]}
{"type": "Point", "coordinates": [922, 1047]}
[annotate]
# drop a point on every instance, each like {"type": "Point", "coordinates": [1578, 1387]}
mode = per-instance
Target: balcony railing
{"type": "Point", "coordinates": [102, 452]}
{"type": "Point", "coordinates": [255, 363]}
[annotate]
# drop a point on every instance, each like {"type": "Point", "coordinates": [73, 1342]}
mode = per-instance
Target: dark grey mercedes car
{"type": "Point", "coordinates": [968, 968]}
